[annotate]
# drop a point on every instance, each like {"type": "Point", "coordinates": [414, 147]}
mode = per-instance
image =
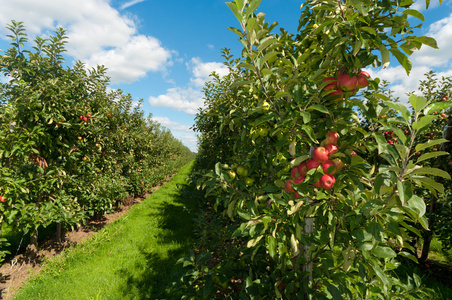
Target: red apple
{"type": "Point", "coordinates": [2, 199]}
{"type": "Point", "coordinates": [317, 183]}
{"type": "Point", "coordinates": [331, 148]}
{"type": "Point", "coordinates": [81, 117]}
{"type": "Point", "coordinates": [444, 98]}
{"type": "Point", "coordinates": [336, 94]}
{"type": "Point", "coordinates": [326, 166]}
{"type": "Point", "coordinates": [320, 154]}
{"type": "Point", "coordinates": [327, 181]}
{"type": "Point", "coordinates": [362, 80]}
{"type": "Point", "coordinates": [289, 188]}
{"type": "Point", "coordinates": [294, 172]}
{"type": "Point", "coordinates": [88, 115]}
{"type": "Point", "coordinates": [303, 169]}
{"type": "Point", "coordinates": [346, 82]}
{"type": "Point", "coordinates": [312, 164]}
{"type": "Point", "coordinates": [85, 119]}
{"type": "Point", "coordinates": [331, 138]}
{"type": "Point", "coordinates": [331, 83]}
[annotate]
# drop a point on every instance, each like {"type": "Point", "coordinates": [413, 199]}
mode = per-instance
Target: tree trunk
{"type": "Point", "coordinates": [58, 233]}
{"type": "Point", "coordinates": [32, 248]}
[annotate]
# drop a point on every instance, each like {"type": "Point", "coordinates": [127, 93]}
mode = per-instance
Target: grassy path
{"type": "Point", "coordinates": [132, 258]}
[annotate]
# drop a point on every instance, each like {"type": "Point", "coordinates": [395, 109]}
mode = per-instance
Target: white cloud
{"type": "Point", "coordinates": [425, 60]}
{"type": "Point", "coordinates": [180, 132]}
{"type": "Point", "coordinates": [97, 33]}
{"type": "Point", "coordinates": [132, 60]}
{"type": "Point", "coordinates": [201, 71]}
{"type": "Point", "coordinates": [187, 100]}
{"type": "Point", "coordinates": [165, 121]}
{"type": "Point", "coordinates": [131, 3]}
{"type": "Point", "coordinates": [441, 31]}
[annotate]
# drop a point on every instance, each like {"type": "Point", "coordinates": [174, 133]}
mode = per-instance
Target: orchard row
{"type": "Point", "coordinates": [69, 148]}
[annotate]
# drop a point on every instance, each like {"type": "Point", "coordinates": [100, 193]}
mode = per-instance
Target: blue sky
{"type": "Point", "coordinates": [163, 51]}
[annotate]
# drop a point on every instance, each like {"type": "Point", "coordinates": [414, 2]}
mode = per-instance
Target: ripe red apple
{"type": "Point", "coordinates": [294, 172]}
{"type": "Point", "coordinates": [346, 82]}
{"type": "Point", "coordinates": [86, 107]}
{"type": "Point", "coordinates": [2, 199]}
{"type": "Point", "coordinates": [444, 98]}
{"type": "Point", "coordinates": [362, 80]}
{"type": "Point", "coordinates": [312, 164]}
{"type": "Point", "coordinates": [320, 154]}
{"type": "Point", "coordinates": [80, 138]}
{"type": "Point", "coordinates": [81, 117]}
{"type": "Point", "coordinates": [289, 188]}
{"type": "Point", "coordinates": [326, 167]}
{"type": "Point", "coordinates": [303, 169]}
{"type": "Point", "coordinates": [85, 119]}
{"type": "Point", "coordinates": [88, 115]}
{"type": "Point", "coordinates": [331, 138]}
{"type": "Point", "coordinates": [317, 183]}
{"type": "Point", "coordinates": [331, 148]}
{"type": "Point", "coordinates": [331, 83]}
{"type": "Point", "coordinates": [336, 94]}
{"type": "Point", "coordinates": [339, 164]}
{"type": "Point", "coordinates": [327, 181]}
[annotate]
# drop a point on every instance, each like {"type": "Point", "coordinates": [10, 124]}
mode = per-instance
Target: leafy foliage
{"type": "Point", "coordinates": [69, 148]}
{"type": "Point", "coordinates": [270, 113]}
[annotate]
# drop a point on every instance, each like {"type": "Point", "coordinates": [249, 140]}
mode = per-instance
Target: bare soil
{"type": "Point", "coordinates": [15, 271]}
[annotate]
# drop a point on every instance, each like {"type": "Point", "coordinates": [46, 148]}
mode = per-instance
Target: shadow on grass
{"type": "Point", "coordinates": [175, 222]}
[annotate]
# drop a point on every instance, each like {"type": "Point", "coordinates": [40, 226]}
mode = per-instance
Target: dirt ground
{"type": "Point", "coordinates": [15, 271]}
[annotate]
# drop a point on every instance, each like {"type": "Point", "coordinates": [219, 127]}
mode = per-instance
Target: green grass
{"type": "Point", "coordinates": [132, 258]}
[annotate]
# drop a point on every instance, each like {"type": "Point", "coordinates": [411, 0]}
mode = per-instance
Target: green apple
{"type": "Point", "coordinates": [249, 181]}
{"type": "Point", "coordinates": [231, 174]}
{"type": "Point", "coordinates": [241, 171]}
{"type": "Point", "coordinates": [263, 132]}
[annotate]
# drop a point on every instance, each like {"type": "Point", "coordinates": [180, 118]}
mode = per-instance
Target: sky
{"type": "Point", "coordinates": [163, 51]}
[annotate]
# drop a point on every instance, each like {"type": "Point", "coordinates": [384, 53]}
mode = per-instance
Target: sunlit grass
{"type": "Point", "coordinates": [133, 258]}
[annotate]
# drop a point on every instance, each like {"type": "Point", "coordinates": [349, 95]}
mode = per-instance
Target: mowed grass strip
{"type": "Point", "coordinates": [132, 258]}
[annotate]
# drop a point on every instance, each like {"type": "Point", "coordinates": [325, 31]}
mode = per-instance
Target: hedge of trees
{"type": "Point", "coordinates": [70, 148]}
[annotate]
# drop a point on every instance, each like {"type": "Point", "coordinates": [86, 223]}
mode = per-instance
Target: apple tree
{"type": "Point", "coordinates": [310, 216]}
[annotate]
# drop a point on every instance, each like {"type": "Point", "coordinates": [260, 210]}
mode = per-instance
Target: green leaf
{"type": "Point", "coordinates": [357, 47]}
{"type": "Point", "coordinates": [269, 57]}
{"type": "Point", "coordinates": [403, 60]}
{"type": "Point", "coordinates": [417, 102]}
{"type": "Point", "coordinates": [437, 106]}
{"type": "Point", "coordinates": [414, 13]}
{"type": "Point", "coordinates": [310, 132]}
{"type": "Point", "coordinates": [235, 11]}
{"type": "Point", "coordinates": [384, 55]}
{"type": "Point", "coordinates": [431, 171]}
{"type": "Point", "coordinates": [383, 252]}
{"type": "Point", "coordinates": [429, 41]}
{"type": "Point", "coordinates": [423, 121]}
{"type": "Point", "coordinates": [253, 5]}
{"type": "Point", "coordinates": [400, 108]}
{"type": "Point", "coordinates": [265, 43]}
{"type": "Point", "coordinates": [431, 155]}
{"type": "Point", "coordinates": [319, 107]}
{"type": "Point", "coordinates": [271, 245]}
{"type": "Point", "coordinates": [429, 183]}
{"type": "Point", "coordinates": [430, 143]}
{"type": "Point", "coordinates": [418, 204]}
